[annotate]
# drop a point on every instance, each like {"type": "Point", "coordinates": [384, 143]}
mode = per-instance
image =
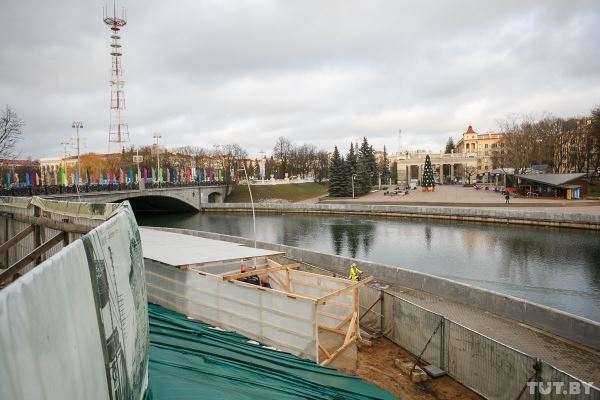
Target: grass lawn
{"type": "Point", "coordinates": [290, 192]}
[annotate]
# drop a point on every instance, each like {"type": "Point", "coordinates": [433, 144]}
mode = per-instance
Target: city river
{"type": "Point", "coordinates": [556, 267]}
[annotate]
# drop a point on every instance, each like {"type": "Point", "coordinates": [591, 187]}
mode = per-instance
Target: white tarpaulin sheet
{"type": "Point", "coordinates": [271, 317]}
{"type": "Point", "coordinates": [76, 327]}
{"type": "Point", "coordinates": [178, 249]}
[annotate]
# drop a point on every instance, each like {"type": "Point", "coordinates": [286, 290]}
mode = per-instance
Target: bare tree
{"type": "Point", "coordinates": [11, 129]}
{"type": "Point", "coordinates": [231, 157]}
{"type": "Point", "coordinates": [470, 171]}
{"type": "Point", "coordinates": [281, 153]}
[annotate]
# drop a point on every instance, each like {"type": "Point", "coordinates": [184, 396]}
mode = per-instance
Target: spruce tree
{"type": "Point", "coordinates": [384, 168]}
{"type": "Point", "coordinates": [428, 183]}
{"type": "Point", "coordinates": [351, 160]}
{"type": "Point", "coordinates": [336, 188]}
{"type": "Point", "coordinates": [346, 176]}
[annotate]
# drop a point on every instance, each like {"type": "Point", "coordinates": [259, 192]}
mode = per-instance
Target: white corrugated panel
{"type": "Point", "coordinates": [178, 249]}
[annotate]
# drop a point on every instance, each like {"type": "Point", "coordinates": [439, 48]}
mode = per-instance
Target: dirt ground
{"type": "Point", "coordinates": [376, 365]}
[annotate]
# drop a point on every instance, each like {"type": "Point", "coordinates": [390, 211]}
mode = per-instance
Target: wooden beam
{"type": "Point", "coordinates": [23, 262]}
{"type": "Point", "coordinates": [327, 277]}
{"type": "Point", "coordinates": [363, 282]}
{"type": "Point", "coordinates": [50, 223]}
{"type": "Point", "coordinates": [339, 351]}
{"type": "Point", "coordinates": [342, 323]}
{"type": "Point", "coordinates": [351, 329]}
{"type": "Point", "coordinates": [330, 329]}
{"type": "Point", "coordinates": [12, 241]}
{"type": "Point", "coordinates": [324, 350]}
{"type": "Point", "coordinates": [283, 285]}
{"type": "Point", "coordinates": [261, 271]}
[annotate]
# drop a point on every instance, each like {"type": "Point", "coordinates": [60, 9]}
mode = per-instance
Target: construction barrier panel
{"type": "Point", "coordinates": [76, 326]}
{"type": "Point", "coordinates": [274, 318]}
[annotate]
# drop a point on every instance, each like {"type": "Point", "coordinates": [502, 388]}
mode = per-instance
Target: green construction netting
{"type": "Point", "coordinates": [192, 360]}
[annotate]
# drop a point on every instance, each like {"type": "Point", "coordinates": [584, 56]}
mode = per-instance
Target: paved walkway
{"type": "Point", "coordinates": [459, 196]}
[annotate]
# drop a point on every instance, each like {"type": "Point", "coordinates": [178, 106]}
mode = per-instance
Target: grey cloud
{"type": "Point", "coordinates": [204, 72]}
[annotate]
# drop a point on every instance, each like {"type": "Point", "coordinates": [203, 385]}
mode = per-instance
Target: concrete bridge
{"type": "Point", "coordinates": [184, 198]}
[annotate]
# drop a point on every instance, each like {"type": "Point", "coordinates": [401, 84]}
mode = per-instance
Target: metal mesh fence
{"type": "Point", "coordinates": [488, 367]}
{"type": "Point", "coordinates": [554, 384]}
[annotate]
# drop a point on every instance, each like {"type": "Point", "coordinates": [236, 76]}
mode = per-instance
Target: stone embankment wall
{"type": "Point", "coordinates": [553, 218]}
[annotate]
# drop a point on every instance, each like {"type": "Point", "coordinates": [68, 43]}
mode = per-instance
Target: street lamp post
{"type": "Point", "coordinates": [157, 136]}
{"type": "Point", "coordinates": [353, 176]}
{"type": "Point", "coordinates": [78, 125]}
{"type": "Point", "coordinates": [251, 201]}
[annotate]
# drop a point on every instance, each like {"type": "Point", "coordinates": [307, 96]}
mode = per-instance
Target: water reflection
{"type": "Point", "coordinates": [556, 267]}
{"type": "Point", "coordinates": [353, 234]}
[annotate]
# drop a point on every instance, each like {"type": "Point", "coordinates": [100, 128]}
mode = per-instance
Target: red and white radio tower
{"type": "Point", "coordinates": [118, 131]}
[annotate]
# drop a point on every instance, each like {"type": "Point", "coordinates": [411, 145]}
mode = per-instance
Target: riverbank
{"type": "Point", "coordinates": [562, 217]}
{"type": "Point", "coordinates": [292, 192]}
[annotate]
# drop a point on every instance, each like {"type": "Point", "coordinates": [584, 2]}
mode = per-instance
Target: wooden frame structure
{"type": "Point", "coordinates": [35, 234]}
{"type": "Point", "coordinates": [343, 323]}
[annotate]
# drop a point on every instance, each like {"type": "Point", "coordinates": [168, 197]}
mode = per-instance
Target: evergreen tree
{"type": "Point", "coordinates": [351, 160]}
{"type": "Point", "coordinates": [336, 188]}
{"type": "Point", "coordinates": [366, 169]}
{"type": "Point", "coordinates": [428, 183]}
{"type": "Point", "coordinates": [346, 177]}
{"type": "Point", "coordinates": [362, 181]}
{"type": "Point", "coordinates": [384, 168]}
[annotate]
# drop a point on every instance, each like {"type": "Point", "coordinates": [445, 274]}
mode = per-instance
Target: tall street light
{"type": "Point", "coordinates": [157, 136]}
{"type": "Point", "coordinates": [78, 125]}
{"type": "Point", "coordinates": [251, 201]}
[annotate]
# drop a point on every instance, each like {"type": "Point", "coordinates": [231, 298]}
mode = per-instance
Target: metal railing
{"type": "Point", "coordinates": [94, 188]}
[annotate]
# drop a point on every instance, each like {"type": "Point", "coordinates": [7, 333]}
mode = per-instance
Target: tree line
{"type": "Point", "coordinates": [564, 145]}
{"type": "Point", "coordinates": [358, 172]}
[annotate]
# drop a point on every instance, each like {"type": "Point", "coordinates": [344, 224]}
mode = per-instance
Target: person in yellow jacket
{"type": "Point", "coordinates": [354, 273]}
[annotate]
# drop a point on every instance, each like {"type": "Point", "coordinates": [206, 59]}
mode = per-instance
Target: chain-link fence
{"type": "Point", "coordinates": [488, 367]}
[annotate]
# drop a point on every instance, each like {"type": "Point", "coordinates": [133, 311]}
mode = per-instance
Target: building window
{"type": "Point", "coordinates": [486, 146]}
{"type": "Point", "coordinates": [486, 167]}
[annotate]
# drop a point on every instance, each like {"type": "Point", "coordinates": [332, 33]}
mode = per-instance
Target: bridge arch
{"type": "Point", "coordinates": [215, 197]}
{"type": "Point", "coordinates": [156, 203]}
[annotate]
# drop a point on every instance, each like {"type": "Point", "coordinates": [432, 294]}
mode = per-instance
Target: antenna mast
{"type": "Point", "coordinates": [118, 131]}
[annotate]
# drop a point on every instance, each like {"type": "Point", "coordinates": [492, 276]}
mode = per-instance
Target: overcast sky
{"type": "Point", "coordinates": [324, 72]}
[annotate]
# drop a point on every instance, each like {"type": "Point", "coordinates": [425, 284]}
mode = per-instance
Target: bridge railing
{"type": "Point", "coordinates": [49, 190]}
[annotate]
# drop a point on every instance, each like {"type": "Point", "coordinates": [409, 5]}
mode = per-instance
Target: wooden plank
{"type": "Point", "coordinates": [6, 240]}
{"type": "Point", "coordinates": [273, 263]}
{"type": "Point", "coordinates": [277, 281]}
{"type": "Point", "coordinates": [363, 282]}
{"type": "Point", "coordinates": [50, 223]}
{"type": "Point", "coordinates": [37, 235]}
{"type": "Point", "coordinates": [23, 262]}
{"type": "Point", "coordinates": [339, 351]}
{"type": "Point", "coordinates": [330, 329]}
{"type": "Point", "coordinates": [324, 350]}
{"type": "Point", "coordinates": [351, 328]}
{"type": "Point", "coordinates": [330, 278]}
{"type": "Point", "coordinates": [312, 285]}
{"type": "Point", "coordinates": [342, 323]}
{"type": "Point", "coordinates": [261, 271]}
{"type": "Point", "coordinates": [8, 244]}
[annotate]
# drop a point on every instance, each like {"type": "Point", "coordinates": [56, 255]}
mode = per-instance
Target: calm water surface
{"type": "Point", "coordinates": [556, 267]}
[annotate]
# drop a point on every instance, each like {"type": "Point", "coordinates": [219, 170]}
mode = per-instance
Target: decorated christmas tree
{"type": "Point", "coordinates": [428, 183]}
